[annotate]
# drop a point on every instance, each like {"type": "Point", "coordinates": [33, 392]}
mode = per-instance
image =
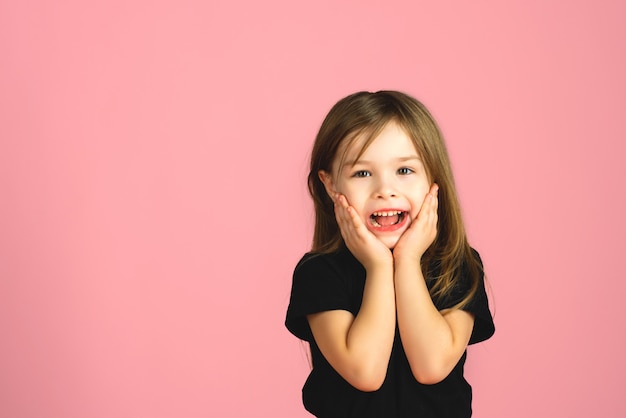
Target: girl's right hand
{"type": "Point", "coordinates": [369, 250]}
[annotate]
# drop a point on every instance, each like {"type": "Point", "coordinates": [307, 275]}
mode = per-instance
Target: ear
{"type": "Point", "coordinates": [329, 184]}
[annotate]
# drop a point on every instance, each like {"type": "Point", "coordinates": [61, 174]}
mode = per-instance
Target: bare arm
{"type": "Point", "coordinates": [358, 348]}
{"type": "Point", "coordinates": [434, 341]}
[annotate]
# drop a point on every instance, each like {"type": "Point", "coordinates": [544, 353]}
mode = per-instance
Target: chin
{"type": "Point", "coordinates": [390, 242]}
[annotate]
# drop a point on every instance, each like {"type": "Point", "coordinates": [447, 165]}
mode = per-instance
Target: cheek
{"type": "Point", "coordinates": [418, 201]}
{"type": "Point", "coordinates": [417, 206]}
{"type": "Point", "coordinates": [357, 200]}
{"type": "Point", "coordinates": [342, 187]}
{"type": "Point", "coordinates": [349, 192]}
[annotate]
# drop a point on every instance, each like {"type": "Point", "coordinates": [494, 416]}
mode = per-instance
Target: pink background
{"type": "Point", "coordinates": [152, 174]}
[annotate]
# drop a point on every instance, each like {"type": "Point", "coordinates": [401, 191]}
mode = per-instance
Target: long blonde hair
{"type": "Point", "coordinates": [366, 114]}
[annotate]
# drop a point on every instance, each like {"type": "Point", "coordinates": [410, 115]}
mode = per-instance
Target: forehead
{"type": "Point", "coordinates": [391, 142]}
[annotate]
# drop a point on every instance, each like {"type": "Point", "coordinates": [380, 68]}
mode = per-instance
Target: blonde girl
{"type": "Point", "coordinates": [391, 294]}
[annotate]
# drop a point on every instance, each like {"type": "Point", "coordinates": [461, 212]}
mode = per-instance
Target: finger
{"type": "Point", "coordinates": [347, 218]}
{"type": "Point", "coordinates": [344, 211]}
{"type": "Point", "coordinates": [426, 209]}
{"type": "Point", "coordinates": [434, 217]}
{"type": "Point", "coordinates": [427, 216]}
{"type": "Point", "coordinates": [435, 203]}
{"type": "Point", "coordinates": [340, 216]}
{"type": "Point", "coordinates": [431, 209]}
{"type": "Point", "coordinates": [341, 201]}
{"type": "Point", "coordinates": [350, 212]}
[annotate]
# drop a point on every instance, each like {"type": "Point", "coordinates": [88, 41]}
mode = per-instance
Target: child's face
{"type": "Point", "coordinates": [386, 185]}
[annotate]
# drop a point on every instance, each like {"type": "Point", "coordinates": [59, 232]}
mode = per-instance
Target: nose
{"type": "Point", "coordinates": [385, 188]}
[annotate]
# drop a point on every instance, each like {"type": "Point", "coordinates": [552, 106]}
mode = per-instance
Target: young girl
{"type": "Point", "coordinates": [391, 293]}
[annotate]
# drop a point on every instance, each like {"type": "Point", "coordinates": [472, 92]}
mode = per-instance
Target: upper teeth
{"type": "Point", "coordinates": [387, 213]}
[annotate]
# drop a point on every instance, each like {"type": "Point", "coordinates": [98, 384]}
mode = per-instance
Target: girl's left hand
{"type": "Point", "coordinates": [422, 231]}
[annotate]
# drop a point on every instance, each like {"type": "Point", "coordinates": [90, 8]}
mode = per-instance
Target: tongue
{"type": "Point", "coordinates": [387, 220]}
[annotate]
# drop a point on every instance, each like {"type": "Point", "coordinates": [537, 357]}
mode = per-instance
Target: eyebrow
{"type": "Point", "coordinates": [352, 163]}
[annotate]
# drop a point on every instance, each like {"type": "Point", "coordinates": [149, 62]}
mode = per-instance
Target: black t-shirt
{"type": "Point", "coordinates": [323, 282]}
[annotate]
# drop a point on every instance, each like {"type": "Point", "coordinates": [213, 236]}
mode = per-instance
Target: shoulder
{"type": "Point", "coordinates": [478, 305]}
{"type": "Point", "coordinates": [470, 274]}
{"type": "Point", "coordinates": [318, 272]}
{"type": "Point", "coordinates": [476, 255]}
{"type": "Point", "coordinates": [336, 261]}
{"type": "Point", "coordinates": [468, 289]}
{"type": "Point", "coordinates": [323, 282]}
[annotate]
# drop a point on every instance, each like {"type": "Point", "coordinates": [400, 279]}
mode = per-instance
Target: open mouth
{"type": "Point", "coordinates": [387, 218]}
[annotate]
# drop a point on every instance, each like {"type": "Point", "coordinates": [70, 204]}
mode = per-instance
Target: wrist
{"type": "Point", "coordinates": [407, 256]}
{"type": "Point", "coordinates": [379, 266]}
{"type": "Point", "coordinates": [409, 261]}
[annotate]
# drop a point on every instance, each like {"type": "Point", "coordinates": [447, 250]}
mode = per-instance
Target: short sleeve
{"type": "Point", "coordinates": [484, 327]}
{"type": "Point", "coordinates": [478, 305]}
{"type": "Point", "coordinates": [319, 284]}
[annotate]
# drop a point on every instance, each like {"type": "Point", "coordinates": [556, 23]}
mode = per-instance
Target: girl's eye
{"type": "Point", "coordinates": [404, 171]}
{"type": "Point", "coordinates": [361, 173]}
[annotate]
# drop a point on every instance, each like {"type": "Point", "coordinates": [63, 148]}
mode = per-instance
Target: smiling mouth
{"type": "Point", "coordinates": [387, 218]}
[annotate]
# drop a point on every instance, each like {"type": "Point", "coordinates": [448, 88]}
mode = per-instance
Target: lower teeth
{"type": "Point", "coordinates": [377, 225]}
